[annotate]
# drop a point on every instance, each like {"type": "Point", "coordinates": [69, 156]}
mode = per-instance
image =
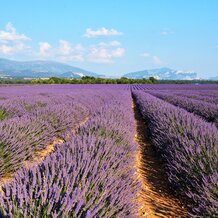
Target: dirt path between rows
{"type": "Point", "coordinates": [39, 156]}
{"type": "Point", "coordinates": [155, 199]}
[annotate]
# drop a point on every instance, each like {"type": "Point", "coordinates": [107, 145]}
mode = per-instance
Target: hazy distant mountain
{"type": "Point", "coordinates": [214, 78]}
{"type": "Point", "coordinates": [163, 73]}
{"type": "Point", "coordinates": [35, 69]}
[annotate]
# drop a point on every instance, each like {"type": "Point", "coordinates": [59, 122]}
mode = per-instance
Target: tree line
{"type": "Point", "coordinates": [94, 80]}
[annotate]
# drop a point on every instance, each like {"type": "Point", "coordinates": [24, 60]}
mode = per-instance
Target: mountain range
{"type": "Point", "coordinates": [46, 69]}
{"type": "Point", "coordinates": [163, 73]}
{"type": "Point", "coordinates": [40, 69]}
{"type": "Point", "coordinates": [214, 78]}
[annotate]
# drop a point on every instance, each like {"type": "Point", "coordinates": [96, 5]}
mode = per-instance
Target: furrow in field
{"type": "Point", "coordinates": [39, 156]}
{"type": "Point", "coordinates": [155, 199]}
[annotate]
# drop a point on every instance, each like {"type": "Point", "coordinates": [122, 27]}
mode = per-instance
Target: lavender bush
{"type": "Point", "coordinates": [90, 175]}
{"type": "Point", "coordinates": [208, 111]}
{"type": "Point", "coordinates": [35, 120]}
{"type": "Point", "coordinates": [189, 145]}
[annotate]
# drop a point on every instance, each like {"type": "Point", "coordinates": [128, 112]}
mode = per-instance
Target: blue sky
{"type": "Point", "coordinates": [113, 37]}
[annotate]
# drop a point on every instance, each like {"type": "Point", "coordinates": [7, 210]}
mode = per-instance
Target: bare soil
{"type": "Point", "coordinates": [156, 199]}
{"type": "Point", "coordinates": [39, 156]}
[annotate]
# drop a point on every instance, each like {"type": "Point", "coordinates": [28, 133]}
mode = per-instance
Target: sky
{"type": "Point", "coordinates": [113, 37]}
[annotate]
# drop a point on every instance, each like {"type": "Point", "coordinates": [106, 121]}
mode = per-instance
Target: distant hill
{"type": "Point", "coordinates": [162, 73]}
{"type": "Point", "coordinates": [46, 69]}
{"type": "Point", "coordinates": [39, 69]}
{"type": "Point", "coordinates": [214, 78]}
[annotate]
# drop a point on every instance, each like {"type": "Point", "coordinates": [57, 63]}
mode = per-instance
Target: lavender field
{"type": "Point", "coordinates": [74, 150]}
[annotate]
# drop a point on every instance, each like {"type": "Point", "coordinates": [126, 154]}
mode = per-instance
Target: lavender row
{"type": "Point", "coordinates": [22, 136]}
{"type": "Point", "coordinates": [210, 96]}
{"type": "Point", "coordinates": [90, 175]}
{"type": "Point", "coordinates": [19, 104]}
{"type": "Point", "coordinates": [202, 96]}
{"type": "Point", "coordinates": [207, 111]}
{"type": "Point", "coordinates": [189, 147]}
{"type": "Point", "coordinates": [182, 87]}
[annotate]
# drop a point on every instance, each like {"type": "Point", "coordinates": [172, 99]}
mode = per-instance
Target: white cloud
{"type": "Point", "coordinates": [119, 52]}
{"type": "Point", "coordinates": [11, 42]}
{"type": "Point", "coordinates": [153, 58]}
{"type": "Point", "coordinates": [110, 44]}
{"type": "Point", "coordinates": [103, 53]}
{"type": "Point", "coordinates": [10, 34]}
{"type": "Point", "coordinates": [99, 55]}
{"type": "Point", "coordinates": [157, 60]}
{"type": "Point", "coordinates": [65, 47]}
{"type": "Point", "coordinates": [78, 48]}
{"type": "Point", "coordinates": [5, 49]}
{"type": "Point", "coordinates": [77, 58]}
{"type": "Point", "coordinates": [146, 55]}
{"type": "Point", "coordinates": [64, 52]}
{"type": "Point", "coordinates": [115, 43]}
{"type": "Point", "coordinates": [44, 49]}
{"type": "Point", "coordinates": [166, 32]}
{"type": "Point", "coordinates": [67, 52]}
{"type": "Point", "coordinates": [12, 49]}
{"type": "Point", "coordinates": [101, 32]}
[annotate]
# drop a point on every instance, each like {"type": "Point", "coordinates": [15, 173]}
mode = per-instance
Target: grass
{"type": "Point", "coordinates": [3, 114]}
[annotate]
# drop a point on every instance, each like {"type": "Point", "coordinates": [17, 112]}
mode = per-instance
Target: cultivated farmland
{"type": "Point", "coordinates": [109, 151]}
